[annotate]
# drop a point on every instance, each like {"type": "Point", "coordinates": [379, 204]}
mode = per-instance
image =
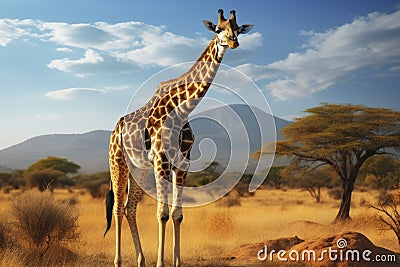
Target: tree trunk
{"type": "Point", "coordinates": [277, 184]}
{"type": "Point", "coordinates": [344, 210]}
{"type": "Point", "coordinates": [318, 198]}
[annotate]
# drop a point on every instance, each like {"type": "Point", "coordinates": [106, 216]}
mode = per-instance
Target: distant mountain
{"type": "Point", "coordinates": [229, 128]}
{"type": "Point", "coordinates": [89, 150]}
{"type": "Point", "coordinates": [236, 131]}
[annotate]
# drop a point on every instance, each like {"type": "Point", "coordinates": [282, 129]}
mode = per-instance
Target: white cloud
{"type": "Point", "coordinates": [68, 65]}
{"type": "Point", "coordinates": [69, 93]}
{"type": "Point", "coordinates": [64, 49]}
{"type": "Point", "coordinates": [46, 117]}
{"type": "Point", "coordinates": [164, 49]}
{"type": "Point", "coordinates": [257, 72]}
{"type": "Point", "coordinates": [372, 42]}
{"type": "Point", "coordinates": [292, 117]}
{"type": "Point", "coordinates": [250, 40]}
{"type": "Point", "coordinates": [11, 29]}
{"type": "Point", "coordinates": [118, 88]}
{"type": "Point", "coordinates": [120, 47]}
{"type": "Point", "coordinates": [79, 35]}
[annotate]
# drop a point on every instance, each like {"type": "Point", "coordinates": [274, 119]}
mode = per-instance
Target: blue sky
{"type": "Point", "coordinates": [73, 66]}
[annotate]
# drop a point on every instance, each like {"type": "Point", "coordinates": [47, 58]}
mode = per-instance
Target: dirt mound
{"type": "Point", "coordinates": [248, 254]}
{"type": "Point", "coordinates": [342, 249]}
{"type": "Point", "coordinates": [306, 223]}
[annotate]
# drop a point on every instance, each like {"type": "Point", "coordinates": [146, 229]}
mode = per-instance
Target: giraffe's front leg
{"type": "Point", "coordinates": [162, 173]}
{"type": "Point", "coordinates": [176, 214]}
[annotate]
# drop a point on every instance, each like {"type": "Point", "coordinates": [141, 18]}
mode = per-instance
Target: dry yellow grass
{"type": "Point", "coordinates": [209, 232]}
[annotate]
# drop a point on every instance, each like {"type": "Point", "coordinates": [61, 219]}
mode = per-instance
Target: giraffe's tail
{"type": "Point", "coordinates": [109, 208]}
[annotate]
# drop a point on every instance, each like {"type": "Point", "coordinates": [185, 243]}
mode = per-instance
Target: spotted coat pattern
{"type": "Point", "coordinates": [159, 136]}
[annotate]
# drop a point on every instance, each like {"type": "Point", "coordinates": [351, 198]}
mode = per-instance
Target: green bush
{"type": "Point", "coordinates": [14, 179]}
{"type": "Point", "coordinates": [43, 179]}
{"type": "Point", "coordinates": [97, 189]}
{"type": "Point", "coordinates": [65, 181]}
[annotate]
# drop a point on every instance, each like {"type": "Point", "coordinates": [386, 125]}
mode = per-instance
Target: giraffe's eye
{"type": "Point", "coordinates": [217, 31]}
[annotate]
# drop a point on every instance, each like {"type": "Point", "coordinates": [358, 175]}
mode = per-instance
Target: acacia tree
{"type": "Point", "coordinates": [311, 181]}
{"type": "Point", "coordinates": [47, 171]}
{"type": "Point", "coordinates": [274, 177]}
{"type": "Point", "coordinates": [382, 167]}
{"type": "Point", "coordinates": [344, 137]}
{"type": "Point", "coordinates": [53, 163]}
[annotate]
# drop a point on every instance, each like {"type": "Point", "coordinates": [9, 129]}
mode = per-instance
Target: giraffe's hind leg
{"type": "Point", "coordinates": [119, 178]}
{"type": "Point", "coordinates": [135, 191]}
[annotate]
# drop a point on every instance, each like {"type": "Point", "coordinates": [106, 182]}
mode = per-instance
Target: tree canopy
{"type": "Point", "coordinates": [342, 136]}
{"type": "Point", "coordinates": [53, 163]}
{"type": "Point", "coordinates": [385, 170]}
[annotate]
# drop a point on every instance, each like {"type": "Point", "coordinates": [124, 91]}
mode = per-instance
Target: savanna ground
{"type": "Point", "coordinates": [210, 232]}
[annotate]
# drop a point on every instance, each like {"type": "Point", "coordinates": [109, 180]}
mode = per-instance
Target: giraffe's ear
{"type": "Point", "coordinates": [245, 28]}
{"type": "Point", "coordinates": [209, 25]}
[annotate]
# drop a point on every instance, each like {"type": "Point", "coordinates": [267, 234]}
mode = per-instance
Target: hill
{"type": "Point", "coordinates": [228, 132]}
{"type": "Point", "coordinates": [89, 150]}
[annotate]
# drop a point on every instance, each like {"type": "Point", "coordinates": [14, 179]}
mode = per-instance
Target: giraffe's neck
{"type": "Point", "coordinates": [187, 90]}
{"type": "Point", "coordinates": [214, 52]}
{"type": "Point", "coordinates": [211, 56]}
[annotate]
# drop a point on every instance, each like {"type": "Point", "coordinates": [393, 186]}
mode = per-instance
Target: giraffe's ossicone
{"type": "Point", "coordinates": [159, 136]}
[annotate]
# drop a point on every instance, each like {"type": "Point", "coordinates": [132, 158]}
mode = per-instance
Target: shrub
{"type": "Point", "coordinates": [43, 179]}
{"type": "Point", "coordinates": [7, 189]}
{"type": "Point", "coordinates": [243, 190]}
{"type": "Point", "coordinates": [389, 212]}
{"type": "Point", "coordinates": [65, 181]}
{"type": "Point", "coordinates": [385, 196]}
{"type": "Point", "coordinates": [97, 189]}
{"type": "Point", "coordinates": [69, 201]}
{"type": "Point", "coordinates": [199, 179]}
{"type": "Point", "coordinates": [13, 179]}
{"type": "Point", "coordinates": [44, 222]}
{"type": "Point", "coordinates": [335, 193]}
{"type": "Point", "coordinates": [5, 239]}
{"type": "Point", "coordinates": [230, 200]}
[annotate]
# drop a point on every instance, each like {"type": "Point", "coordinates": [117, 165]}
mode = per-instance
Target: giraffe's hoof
{"type": "Point", "coordinates": [164, 218]}
{"type": "Point", "coordinates": [141, 261]}
{"type": "Point", "coordinates": [118, 262]}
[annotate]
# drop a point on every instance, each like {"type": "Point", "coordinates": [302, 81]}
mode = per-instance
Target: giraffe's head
{"type": "Point", "coordinates": [227, 30]}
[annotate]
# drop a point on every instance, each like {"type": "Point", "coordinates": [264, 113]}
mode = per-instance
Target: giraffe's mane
{"type": "Point", "coordinates": [183, 76]}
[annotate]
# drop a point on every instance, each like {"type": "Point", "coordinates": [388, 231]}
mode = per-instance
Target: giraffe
{"type": "Point", "coordinates": [158, 136]}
